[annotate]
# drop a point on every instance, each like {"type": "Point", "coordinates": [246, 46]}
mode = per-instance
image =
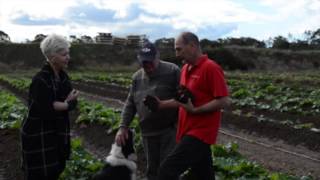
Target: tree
{"type": "Point", "coordinates": [242, 41]}
{"type": "Point", "coordinates": [299, 45]}
{"type": "Point", "coordinates": [38, 38]}
{"type": "Point", "coordinates": [86, 39]}
{"type": "Point", "coordinates": [280, 42]}
{"type": "Point", "coordinates": [208, 43]}
{"type": "Point", "coordinates": [75, 40]}
{"type": "Point", "coordinates": [315, 37]}
{"type": "Point", "coordinates": [4, 37]}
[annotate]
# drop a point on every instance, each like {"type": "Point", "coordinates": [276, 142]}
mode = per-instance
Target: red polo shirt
{"type": "Point", "coordinates": [206, 81]}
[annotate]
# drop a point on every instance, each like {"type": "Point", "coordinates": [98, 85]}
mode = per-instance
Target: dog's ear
{"type": "Point", "coordinates": [128, 148]}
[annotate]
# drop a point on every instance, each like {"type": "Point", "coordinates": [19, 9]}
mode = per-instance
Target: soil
{"type": "Point", "coordinates": [272, 130]}
{"type": "Point", "coordinates": [280, 116]}
{"type": "Point", "coordinates": [10, 155]}
{"type": "Point", "coordinates": [274, 154]}
{"type": "Point", "coordinates": [114, 91]}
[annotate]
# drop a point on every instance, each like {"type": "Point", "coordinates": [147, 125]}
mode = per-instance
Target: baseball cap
{"type": "Point", "coordinates": [147, 53]}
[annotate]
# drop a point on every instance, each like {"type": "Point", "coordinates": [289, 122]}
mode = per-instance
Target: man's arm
{"type": "Point", "coordinates": [127, 115]}
{"type": "Point", "coordinates": [170, 103]}
{"type": "Point", "coordinates": [213, 105]}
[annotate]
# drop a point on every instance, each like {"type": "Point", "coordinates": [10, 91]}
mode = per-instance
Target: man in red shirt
{"type": "Point", "coordinates": [199, 119]}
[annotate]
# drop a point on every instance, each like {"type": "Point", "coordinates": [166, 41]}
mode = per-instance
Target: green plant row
{"type": "Point", "coordinates": [247, 89]}
{"type": "Point", "coordinates": [97, 113]}
{"type": "Point", "coordinates": [21, 84]}
{"type": "Point", "coordinates": [12, 111]}
{"type": "Point", "coordinates": [269, 96]}
{"type": "Point", "coordinates": [82, 165]}
{"type": "Point", "coordinates": [293, 123]}
{"type": "Point", "coordinates": [228, 162]}
{"type": "Point", "coordinates": [309, 78]}
{"type": "Point", "coordinates": [122, 79]}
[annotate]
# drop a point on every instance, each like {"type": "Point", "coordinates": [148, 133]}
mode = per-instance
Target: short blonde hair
{"type": "Point", "coordinates": [53, 43]}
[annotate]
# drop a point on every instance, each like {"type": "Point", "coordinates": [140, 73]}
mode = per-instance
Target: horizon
{"type": "Point", "coordinates": [261, 19]}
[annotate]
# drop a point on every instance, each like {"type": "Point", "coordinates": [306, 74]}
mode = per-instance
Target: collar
{"type": "Point", "coordinates": [199, 61]}
{"type": "Point", "coordinates": [48, 69]}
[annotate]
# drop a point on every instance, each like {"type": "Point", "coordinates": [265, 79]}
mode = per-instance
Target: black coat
{"type": "Point", "coordinates": [45, 133]}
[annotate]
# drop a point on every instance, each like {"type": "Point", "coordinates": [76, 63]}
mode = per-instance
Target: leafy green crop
{"type": "Point", "coordinates": [21, 84]}
{"type": "Point", "coordinates": [82, 165]}
{"type": "Point", "coordinates": [12, 111]}
{"type": "Point", "coordinates": [122, 79]}
{"type": "Point", "coordinates": [97, 113]}
{"type": "Point", "coordinates": [276, 92]}
{"type": "Point", "coordinates": [229, 164]}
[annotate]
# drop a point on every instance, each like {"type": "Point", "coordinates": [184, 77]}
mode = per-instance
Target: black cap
{"type": "Point", "coordinates": [147, 52]}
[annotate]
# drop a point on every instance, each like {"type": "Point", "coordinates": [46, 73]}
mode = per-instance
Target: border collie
{"type": "Point", "coordinates": [120, 163]}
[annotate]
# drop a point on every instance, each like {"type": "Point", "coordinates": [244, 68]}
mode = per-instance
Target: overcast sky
{"type": "Point", "coordinates": [211, 19]}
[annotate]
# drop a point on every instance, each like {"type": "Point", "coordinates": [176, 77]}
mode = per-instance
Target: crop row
{"type": "Point", "coordinates": [229, 164]}
{"type": "Point", "coordinates": [262, 94]}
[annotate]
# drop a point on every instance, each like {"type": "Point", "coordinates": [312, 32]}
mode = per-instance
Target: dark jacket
{"type": "Point", "coordinates": [45, 133]}
{"type": "Point", "coordinates": [162, 83]}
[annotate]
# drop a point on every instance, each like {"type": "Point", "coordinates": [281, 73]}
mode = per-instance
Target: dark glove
{"type": "Point", "coordinates": [151, 102]}
{"type": "Point", "coordinates": [72, 104]}
{"type": "Point", "coordinates": [184, 94]}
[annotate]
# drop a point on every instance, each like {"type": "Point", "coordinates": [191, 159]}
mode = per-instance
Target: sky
{"type": "Point", "coordinates": [210, 19]}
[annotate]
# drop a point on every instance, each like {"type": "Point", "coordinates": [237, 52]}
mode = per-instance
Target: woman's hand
{"type": "Point", "coordinates": [73, 95]}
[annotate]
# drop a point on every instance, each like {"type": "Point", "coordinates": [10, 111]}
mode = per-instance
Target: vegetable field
{"type": "Point", "coordinates": [271, 132]}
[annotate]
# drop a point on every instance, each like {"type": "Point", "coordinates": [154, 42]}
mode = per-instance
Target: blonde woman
{"type": "Point", "coordinates": [45, 131]}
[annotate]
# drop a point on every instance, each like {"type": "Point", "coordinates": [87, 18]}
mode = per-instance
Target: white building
{"type": "Point", "coordinates": [104, 38]}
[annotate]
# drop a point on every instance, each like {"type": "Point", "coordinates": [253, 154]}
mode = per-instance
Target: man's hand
{"type": "Point", "coordinates": [121, 136]}
{"type": "Point", "coordinates": [151, 102]}
{"type": "Point", "coordinates": [189, 107]}
{"type": "Point", "coordinates": [184, 94]}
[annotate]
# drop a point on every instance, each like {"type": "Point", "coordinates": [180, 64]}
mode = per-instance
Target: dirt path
{"type": "Point", "coordinates": [274, 155]}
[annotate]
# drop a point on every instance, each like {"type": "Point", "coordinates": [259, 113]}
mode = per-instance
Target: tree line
{"type": "Point", "coordinates": [310, 41]}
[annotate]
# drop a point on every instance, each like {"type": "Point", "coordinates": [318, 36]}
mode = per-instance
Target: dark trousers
{"type": "Point", "coordinates": [192, 153]}
{"type": "Point", "coordinates": [36, 177]}
{"type": "Point", "coordinates": [156, 149]}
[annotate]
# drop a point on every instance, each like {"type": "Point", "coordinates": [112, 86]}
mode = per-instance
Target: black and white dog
{"type": "Point", "coordinates": [120, 163]}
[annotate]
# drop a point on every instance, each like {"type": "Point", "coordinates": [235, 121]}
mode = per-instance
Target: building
{"type": "Point", "coordinates": [119, 41]}
{"type": "Point", "coordinates": [136, 40]}
{"type": "Point", "coordinates": [104, 38]}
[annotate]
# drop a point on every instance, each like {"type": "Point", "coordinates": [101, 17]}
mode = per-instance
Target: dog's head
{"type": "Point", "coordinates": [125, 151]}
{"type": "Point", "coordinates": [120, 163]}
